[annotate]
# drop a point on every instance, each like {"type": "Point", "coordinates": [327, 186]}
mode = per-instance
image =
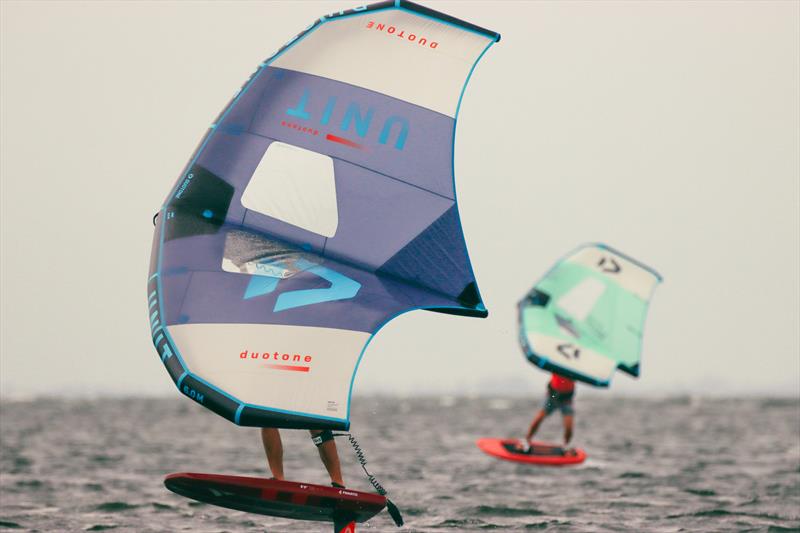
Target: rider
{"type": "Point", "coordinates": [326, 446]}
{"type": "Point", "coordinates": [560, 391]}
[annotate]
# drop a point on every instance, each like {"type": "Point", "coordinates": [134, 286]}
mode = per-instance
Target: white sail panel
{"type": "Point", "coordinates": [394, 52]}
{"type": "Point", "coordinates": [290, 368]}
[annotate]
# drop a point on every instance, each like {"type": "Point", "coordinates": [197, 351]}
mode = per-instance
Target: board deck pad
{"type": "Point", "coordinates": [286, 499]}
{"type": "Point", "coordinates": [540, 453]}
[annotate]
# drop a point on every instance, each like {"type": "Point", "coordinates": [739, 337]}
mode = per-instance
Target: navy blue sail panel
{"type": "Point", "coordinates": [320, 205]}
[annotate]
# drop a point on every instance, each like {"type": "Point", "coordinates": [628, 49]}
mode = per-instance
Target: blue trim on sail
{"type": "Point", "coordinates": [453, 165]}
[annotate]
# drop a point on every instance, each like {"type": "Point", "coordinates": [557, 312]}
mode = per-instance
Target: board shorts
{"type": "Point", "coordinates": [558, 401]}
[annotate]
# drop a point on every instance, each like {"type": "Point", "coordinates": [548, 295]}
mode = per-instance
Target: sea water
{"type": "Point", "coordinates": [666, 464]}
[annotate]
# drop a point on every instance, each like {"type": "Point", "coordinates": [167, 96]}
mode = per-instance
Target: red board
{"type": "Point", "coordinates": [540, 453]}
{"type": "Point", "coordinates": [287, 499]}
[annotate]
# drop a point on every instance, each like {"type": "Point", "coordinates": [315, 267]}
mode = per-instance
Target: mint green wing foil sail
{"type": "Point", "coordinates": [585, 318]}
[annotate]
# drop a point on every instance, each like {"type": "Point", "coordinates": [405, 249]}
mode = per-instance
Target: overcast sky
{"type": "Point", "coordinates": [668, 130]}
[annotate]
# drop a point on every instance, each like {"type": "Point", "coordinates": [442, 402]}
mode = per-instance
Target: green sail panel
{"type": "Point", "coordinates": [585, 318]}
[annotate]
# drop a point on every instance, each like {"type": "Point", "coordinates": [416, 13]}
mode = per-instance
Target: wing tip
{"type": "Point", "coordinates": [444, 17]}
{"type": "Point", "coordinates": [633, 260]}
{"type": "Point", "coordinates": [632, 370]}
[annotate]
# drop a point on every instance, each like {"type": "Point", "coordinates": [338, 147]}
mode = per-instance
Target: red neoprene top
{"type": "Point", "coordinates": [561, 384]}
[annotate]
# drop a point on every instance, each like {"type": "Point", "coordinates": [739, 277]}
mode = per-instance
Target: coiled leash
{"type": "Point", "coordinates": [394, 512]}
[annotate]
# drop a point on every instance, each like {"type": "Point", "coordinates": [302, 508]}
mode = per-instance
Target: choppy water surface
{"type": "Point", "coordinates": [654, 465]}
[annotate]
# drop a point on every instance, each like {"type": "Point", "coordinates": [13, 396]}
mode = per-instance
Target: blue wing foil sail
{"type": "Point", "coordinates": [320, 205]}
